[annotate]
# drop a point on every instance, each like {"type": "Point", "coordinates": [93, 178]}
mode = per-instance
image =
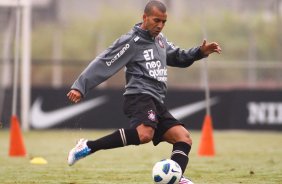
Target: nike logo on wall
{"type": "Point", "coordinates": [41, 120]}
{"type": "Point", "coordinates": [189, 109]}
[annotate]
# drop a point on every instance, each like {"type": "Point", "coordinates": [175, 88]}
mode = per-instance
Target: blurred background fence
{"type": "Point", "coordinates": [68, 34]}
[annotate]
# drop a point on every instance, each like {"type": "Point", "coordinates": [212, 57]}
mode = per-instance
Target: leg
{"type": "Point", "coordinates": [182, 142]}
{"type": "Point", "coordinates": [177, 134]}
{"type": "Point", "coordinates": [119, 138]}
{"type": "Point", "coordinates": [122, 137]}
{"type": "Point", "coordinates": [141, 111]}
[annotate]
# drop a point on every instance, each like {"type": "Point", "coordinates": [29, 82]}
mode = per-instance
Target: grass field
{"type": "Point", "coordinates": [241, 157]}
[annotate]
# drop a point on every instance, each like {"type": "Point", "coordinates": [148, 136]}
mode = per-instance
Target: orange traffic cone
{"type": "Point", "coordinates": [16, 141]}
{"type": "Point", "coordinates": [206, 144]}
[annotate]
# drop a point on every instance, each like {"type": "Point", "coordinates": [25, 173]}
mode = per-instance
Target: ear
{"type": "Point", "coordinates": [144, 17]}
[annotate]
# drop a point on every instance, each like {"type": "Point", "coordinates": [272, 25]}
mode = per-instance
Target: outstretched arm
{"type": "Point", "coordinates": [177, 57]}
{"type": "Point", "coordinates": [102, 67]}
{"type": "Point", "coordinates": [209, 48]}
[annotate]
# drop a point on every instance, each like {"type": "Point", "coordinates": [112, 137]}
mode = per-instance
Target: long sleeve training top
{"type": "Point", "coordinates": [145, 60]}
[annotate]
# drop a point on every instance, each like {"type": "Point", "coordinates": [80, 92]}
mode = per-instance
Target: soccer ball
{"type": "Point", "coordinates": [166, 172]}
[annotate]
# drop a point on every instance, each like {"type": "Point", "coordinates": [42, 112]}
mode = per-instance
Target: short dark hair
{"type": "Point", "coordinates": [154, 3]}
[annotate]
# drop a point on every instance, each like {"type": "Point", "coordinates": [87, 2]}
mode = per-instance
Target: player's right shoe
{"type": "Point", "coordinates": [80, 151]}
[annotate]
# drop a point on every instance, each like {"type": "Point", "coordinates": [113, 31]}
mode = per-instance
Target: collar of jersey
{"type": "Point", "coordinates": [142, 32]}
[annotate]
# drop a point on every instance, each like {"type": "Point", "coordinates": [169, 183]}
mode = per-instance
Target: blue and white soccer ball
{"type": "Point", "coordinates": [166, 172]}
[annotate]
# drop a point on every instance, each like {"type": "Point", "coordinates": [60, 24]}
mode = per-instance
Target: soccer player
{"type": "Point", "coordinates": [145, 53]}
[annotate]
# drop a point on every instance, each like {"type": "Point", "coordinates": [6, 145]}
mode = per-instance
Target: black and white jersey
{"type": "Point", "coordinates": [145, 60]}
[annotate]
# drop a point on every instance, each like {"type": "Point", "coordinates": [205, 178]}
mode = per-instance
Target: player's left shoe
{"type": "Point", "coordinates": [80, 151]}
{"type": "Point", "coordinates": [184, 180]}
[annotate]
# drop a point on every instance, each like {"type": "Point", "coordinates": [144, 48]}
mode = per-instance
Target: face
{"type": "Point", "coordinates": [154, 22]}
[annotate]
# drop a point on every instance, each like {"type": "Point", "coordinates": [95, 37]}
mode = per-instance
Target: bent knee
{"type": "Point", "coordinates": [145, 138]}
{"type": "Point", "coordinates": [188, 138]}
{"type": "Point", "coordinates": [185, 137]}
{"type": "Point", "coordinates": [145, 133]}
{"type": "Point", "coordinates": [178, 134]}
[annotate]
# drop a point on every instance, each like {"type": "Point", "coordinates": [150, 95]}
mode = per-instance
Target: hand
{"type": "Point", "coordinates": [74, 95]}
{"type": "Point", "coordinates": [208, 48]}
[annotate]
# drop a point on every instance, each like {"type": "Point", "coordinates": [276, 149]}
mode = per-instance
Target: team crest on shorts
{"type": "Point", "coordinates": [151, 115]}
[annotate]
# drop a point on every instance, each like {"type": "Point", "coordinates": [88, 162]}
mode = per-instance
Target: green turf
{"type": "Point", "coordinates": [241, 157]}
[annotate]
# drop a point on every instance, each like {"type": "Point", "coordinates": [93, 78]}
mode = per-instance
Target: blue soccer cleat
{"type": "Point", "coordinates": [80, 151]}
